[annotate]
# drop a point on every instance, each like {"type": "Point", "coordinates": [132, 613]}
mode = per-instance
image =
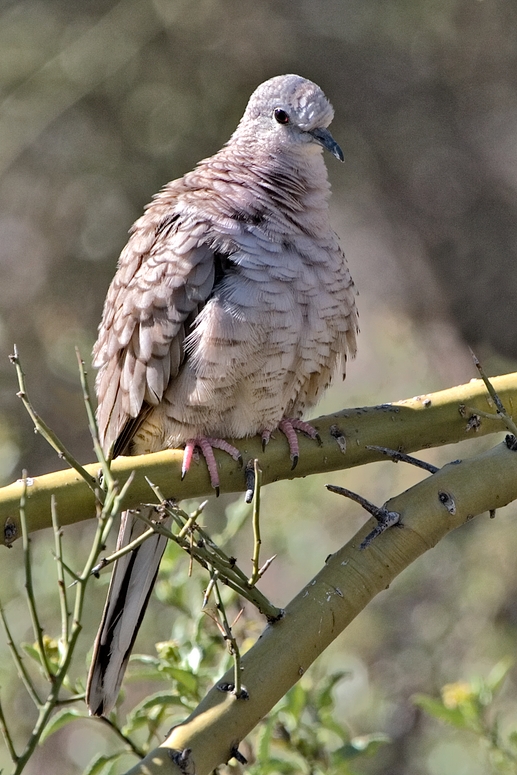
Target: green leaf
{"type": "Point", "coordinates": [183, 678]}
{"type": "Point", "coordinates": [512, 739]}
{"type": "Point", "coordinates": [143, 711]}
{"type": "Point", "coordinates": [324, 697]}
{"type": "Point", "coordinates": [98, 763]}
{"type": "Point", "coordinates": [499, 673]}
{"type": "Point", "coordinates": [297, 699]}
{"type": "Point", "coordinates": [60, 719]}
{"type": "Point", "coordinates": [263, 742]}
{"type": "Point", "coordinates": [435, 708]}
{"type": "Point", "coordinates": [362, 745]}
{"type": "Point", "coordinates": [32, 652]}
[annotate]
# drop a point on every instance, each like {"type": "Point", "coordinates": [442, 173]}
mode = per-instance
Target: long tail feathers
{"type": "Point", "coordinates": [131, 584]}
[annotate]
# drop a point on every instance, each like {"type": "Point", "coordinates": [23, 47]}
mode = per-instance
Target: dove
{"type": "Point", "coordinates": [231, 310]}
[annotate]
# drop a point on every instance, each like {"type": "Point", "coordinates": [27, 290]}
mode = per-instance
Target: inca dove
{"type": "Point", "coordinates": [231, 309]}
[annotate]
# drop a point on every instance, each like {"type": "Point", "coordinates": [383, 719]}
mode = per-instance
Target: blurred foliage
{"type": "Point", "coordinates": [472, 706]}
{"type": "Point", "coordinates": [101, 103]}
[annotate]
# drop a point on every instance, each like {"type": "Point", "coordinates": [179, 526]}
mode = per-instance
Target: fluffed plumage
{"type": "Point", "coordinates": [231, 309]}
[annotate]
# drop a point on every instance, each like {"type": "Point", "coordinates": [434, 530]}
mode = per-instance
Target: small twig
{"type": "Point", "coordinates": [266, 565]}
{"type": "Point", "coordinates": [126, 549]}
{"type": "Point", "coordinates": [209, 589]}
{"type": "Point", "coordinates": [464, 409]}
{"type": "Point", "coordinates": [191, 558]}
{"type": "Point", "coordinates": [63, 601]}
{"type": "Point", "coordinates": [109, 504]}
{"type": "Point", "coordinates": [70, 700]}
{"type": "Point", "coordinates": [7, 736]}
{"type": "Point", "coordinates": [73, 575]}
{"type": "Point", "coordinates": [29, 588]}
{"type": "Point", "coordinates": [501, 411]}
{"type": "Point", "coordinates": [249, 478]}
{"type": "Point", "coordinates": [92, 422]}
{"type": "Point", "coordinates": [367, 505]}
{"type": "Point", "coordinates": [401, 457]}
{"type": "Point", "coordinates": [42, 428]}
{"type": "Point", "coordinates": [18, 661]}
{"type": "Point", "coordinates": [257, 541]}
{"type": "Point", "coordinates": [233, 646]}
{"type": "Point", "coordinates": [209, 555]}
{"type": "Point", "coordinates": [190, 524]}
{"type": "Point", "coordinates": [127, 740]}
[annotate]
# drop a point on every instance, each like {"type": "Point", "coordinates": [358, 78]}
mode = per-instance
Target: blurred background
{"type": "Point", "coordinates": [101, 103]}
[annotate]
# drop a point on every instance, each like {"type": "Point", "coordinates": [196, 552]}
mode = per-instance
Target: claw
{"type": "Point", "coordinates": [207, 445]}
{"type": "Point", "coordinates": [266, 435]}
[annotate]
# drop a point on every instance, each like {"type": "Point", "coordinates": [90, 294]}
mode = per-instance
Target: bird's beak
{"type": "Point", "coordinates": [324, 138]}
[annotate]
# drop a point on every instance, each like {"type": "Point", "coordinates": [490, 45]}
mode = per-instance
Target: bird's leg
{"type": "Point", "coordinates": [289, 426]}
{"type": "Point", "coordinates": [207, 445]}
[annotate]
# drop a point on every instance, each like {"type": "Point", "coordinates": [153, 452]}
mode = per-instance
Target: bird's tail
{"type": "Point", "coordinates": [131, 584]}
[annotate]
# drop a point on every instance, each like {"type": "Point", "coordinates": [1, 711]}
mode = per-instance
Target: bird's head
{"type": "Point", "coordinates": [288, 112]}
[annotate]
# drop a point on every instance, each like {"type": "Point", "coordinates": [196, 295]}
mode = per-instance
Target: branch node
{"type": "Point", "coordinates": [339, 436]}
{"type": "Point", "coordinates": [385, 520]}
{"type": "Point", "coordinates": [183, 759]}
{"type": "Point", "coordinates": [10, 532]}
{"type": "Point", "coordinates": [511, 442]}
{"type": "Point", "coordinates": [229, 688]}
{"type": "Point", "coordinates": [448, 501]}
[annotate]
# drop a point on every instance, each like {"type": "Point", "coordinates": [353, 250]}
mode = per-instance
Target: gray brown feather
{"type": "Point", "coordinates": [231, 308]}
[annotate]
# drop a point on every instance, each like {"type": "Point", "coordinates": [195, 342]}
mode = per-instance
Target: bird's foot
{"type": "Point", "coordinates": [289, 426]}
{"type": "Point", "coordinates": [206, 445]}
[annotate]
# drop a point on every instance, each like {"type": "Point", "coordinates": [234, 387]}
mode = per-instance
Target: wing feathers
{"type": "Point", "coordinates": [141, 336]}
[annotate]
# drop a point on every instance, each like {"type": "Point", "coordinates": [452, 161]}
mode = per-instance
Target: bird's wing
{"type": "Point", "coordinates": [165, 275]}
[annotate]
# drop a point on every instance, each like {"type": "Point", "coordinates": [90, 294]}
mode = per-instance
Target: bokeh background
{"type": "Point", "coordinates": [101, 103]}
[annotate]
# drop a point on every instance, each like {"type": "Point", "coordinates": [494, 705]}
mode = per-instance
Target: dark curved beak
{"type": "Point", "coordinates": [324, 138]}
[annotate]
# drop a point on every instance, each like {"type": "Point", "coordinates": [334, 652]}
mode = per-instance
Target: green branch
{"type": "Point", "coordinates": [417, 423]}
{"type": "Point", "coordinates": [327, 604]}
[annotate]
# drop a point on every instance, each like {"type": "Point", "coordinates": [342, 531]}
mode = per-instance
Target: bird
{"type": "Point", "coordinates": [231, 310]}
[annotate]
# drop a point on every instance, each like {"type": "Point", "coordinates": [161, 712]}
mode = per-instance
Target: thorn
{"type": "Point", "coordinates": [236, 754]}
{"type": "Point", "coordinates": [397, 457]}
{"type": "Point", "coordinates": [385, 519]}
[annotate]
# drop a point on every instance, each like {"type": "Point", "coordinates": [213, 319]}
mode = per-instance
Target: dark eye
{"type": "Point", "coordinates": [281, 116]}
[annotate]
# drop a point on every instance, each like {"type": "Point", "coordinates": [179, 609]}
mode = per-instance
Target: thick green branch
{"type": "Point", "coordinates": [321, 611]}
{"type": "Point", "coordinates": [425, 421]}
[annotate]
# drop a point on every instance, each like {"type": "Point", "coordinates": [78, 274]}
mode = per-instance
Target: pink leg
{"type": "Point", "coordinates": [289, 426]}
{"type": "Point", "coordinates": [207, 446]}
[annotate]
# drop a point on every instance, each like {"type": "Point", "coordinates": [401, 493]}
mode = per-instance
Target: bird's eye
{"type": "Point", "coordinates": [281, 116]}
